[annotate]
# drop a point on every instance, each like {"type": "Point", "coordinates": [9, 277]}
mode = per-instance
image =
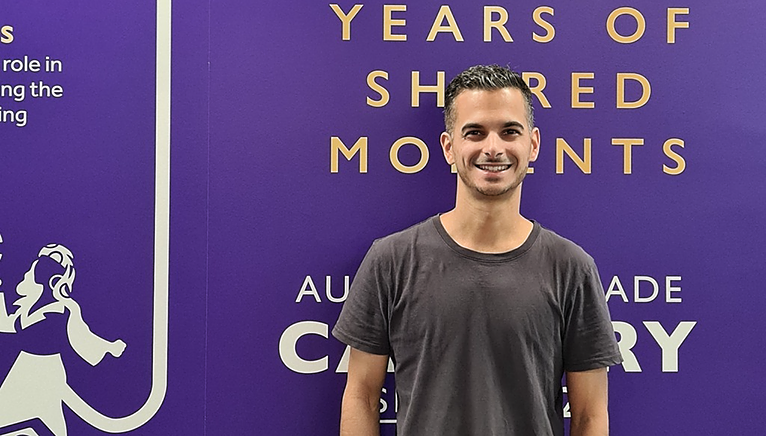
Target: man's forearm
{"type": "Point", "coordinates": [589, 426]}
{"type": "Point", "coordinates": [359, 417]}
{"type": "Point", "coordinates": [588, 400]}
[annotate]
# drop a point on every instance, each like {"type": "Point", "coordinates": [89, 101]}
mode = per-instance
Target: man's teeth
{"type": "Point", "coordinates": [494, 168]}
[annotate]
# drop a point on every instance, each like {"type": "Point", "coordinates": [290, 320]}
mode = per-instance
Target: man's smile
{"type": "Point", "coordinates": [493, 167]}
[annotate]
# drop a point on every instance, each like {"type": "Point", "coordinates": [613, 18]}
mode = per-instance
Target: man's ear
{"type": "Point", "coordinates": [535, 140]}
{"type": "Point", "coordinates": [446, 142]}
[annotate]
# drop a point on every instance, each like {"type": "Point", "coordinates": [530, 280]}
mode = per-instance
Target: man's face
{"type": "Point", "coordinates": [491, 143]}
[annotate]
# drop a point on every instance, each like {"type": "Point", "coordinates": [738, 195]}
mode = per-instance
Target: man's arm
{"type": "Point", "coordinates": [360, 414]}
{"type": "Point", "coordinates": [587, 392]}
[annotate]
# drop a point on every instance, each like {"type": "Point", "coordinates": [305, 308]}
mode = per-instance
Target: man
{"type": "Point", "coordinates": [481, 309]}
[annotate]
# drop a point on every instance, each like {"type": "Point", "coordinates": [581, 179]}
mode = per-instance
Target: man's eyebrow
{"type": "Point", "coordinates": [470, 126]}
{"type": "Point", "coordinates": [514, 124]}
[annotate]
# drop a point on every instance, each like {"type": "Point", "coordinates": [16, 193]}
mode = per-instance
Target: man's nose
{"type": "Point", "coordinates": [493, 146]}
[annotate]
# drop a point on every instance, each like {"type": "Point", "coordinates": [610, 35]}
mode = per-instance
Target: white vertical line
{"type": "Point", "coordinates": [161, 249]}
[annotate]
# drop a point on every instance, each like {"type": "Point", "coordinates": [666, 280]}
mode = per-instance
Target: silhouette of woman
{"type": "Point", "coordinates": [36, 383]}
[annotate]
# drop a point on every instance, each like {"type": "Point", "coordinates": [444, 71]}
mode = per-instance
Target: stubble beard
{"type": "Point", "coordinates": [494, 191]}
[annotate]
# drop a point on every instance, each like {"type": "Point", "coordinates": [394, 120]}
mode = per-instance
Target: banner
{"type": "Point", "coordinates": [325, 120]}
{"type": "Point", "coordinates": [188, 189]}
{"type": "Point", "coordinates": [85, 96]}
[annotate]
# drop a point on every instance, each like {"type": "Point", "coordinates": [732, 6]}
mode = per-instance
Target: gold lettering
{"type": "Point", "coordinates": [538, 88]}
{"type": "Point", "coordinates": [389, 22]}
{"type": "Point", "coordinates": [583, 163]}
{"type": "Point", "coordinates": [673, 24]}
{"type": "Point", "coordinates": [345, 19]}
{"type": "Point", "coordinates": [646, 90]}
{"type": "Point", "coordinates": [6, 34]}
{"type": "Point", "coordinates": [417, 89]}
{"type": "Point", "coordinates": [337, 146]}
{"type": "Point", "coordinates": [394, 155]}
{"type": "Point", "coordinates": [550, 31]}
{"type": "Point", "coordinates": [577, 90]}
{"type": "Point", "coordinates": [498, 25]}
{"type": "Point", "coordinates": [384, 95]}
{"type": "Point", "coordinates": [445, 13]}
{"type": "Point", "coordinates": [623, 39]}
{"type": "Point", "coordinates": [677, 158]}
{"type": "Point", "coordinates": [627, 143]}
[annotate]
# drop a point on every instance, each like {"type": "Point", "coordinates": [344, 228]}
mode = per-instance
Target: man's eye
{"type": "Point", "coordinates": [512, 132]}
{"type": "Point", "coordinates": [472, 133]}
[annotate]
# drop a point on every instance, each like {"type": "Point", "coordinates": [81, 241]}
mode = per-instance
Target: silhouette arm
{"type": "Point", "coordinates": [88, 345]}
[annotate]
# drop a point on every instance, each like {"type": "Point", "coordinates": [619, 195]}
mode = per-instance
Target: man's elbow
{"type": "Point", "coordinates": [595, 423]}
{"type": "Point", "coordinates": [361, 399]}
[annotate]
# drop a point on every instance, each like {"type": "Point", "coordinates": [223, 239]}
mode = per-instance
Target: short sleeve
{"type": "Point", "coordinates": [589, 341]}
{"type": "Point", "coordinates": [363, 321]}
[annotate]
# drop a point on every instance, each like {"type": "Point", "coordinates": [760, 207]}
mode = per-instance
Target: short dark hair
{"type": "Point", "coordinates": [486, 77]}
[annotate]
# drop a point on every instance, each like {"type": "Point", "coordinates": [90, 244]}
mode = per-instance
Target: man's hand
{"type": "Point", "coordinates": [587, 392]}
{"type": "Point", "coordinates": [361, 399]}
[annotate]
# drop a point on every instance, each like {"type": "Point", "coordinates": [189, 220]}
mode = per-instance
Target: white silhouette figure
{"type": "Point", "coordinates": [36, 385]}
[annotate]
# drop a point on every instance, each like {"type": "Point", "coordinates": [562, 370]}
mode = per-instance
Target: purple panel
{"type": "Point", "coordinates": [259, 91]}
{"type": "Point", "coordinates": [81, 173]}
{"type": "Point", "coordinates": [283, 83]}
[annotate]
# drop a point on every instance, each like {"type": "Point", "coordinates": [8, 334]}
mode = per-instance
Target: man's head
{"type": "Point", "coordinates": [485, 77]}
{"type": "Point", "coordinates": [490, 138]}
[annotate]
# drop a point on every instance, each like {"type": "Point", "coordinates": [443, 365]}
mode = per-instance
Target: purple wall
{"type": "Point", "coordinates": [258, 219]}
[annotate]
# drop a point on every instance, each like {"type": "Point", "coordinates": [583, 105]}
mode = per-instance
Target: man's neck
{"type": "Point", "coordinates": [492, 225]}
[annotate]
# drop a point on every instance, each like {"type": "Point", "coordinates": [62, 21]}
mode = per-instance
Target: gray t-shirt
{"type": "Point", "coordinates": [480, 341]}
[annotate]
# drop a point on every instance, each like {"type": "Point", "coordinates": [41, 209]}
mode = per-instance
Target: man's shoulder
{"type": "Point", "coordinates": [408, 237]}
{"type": "Point", "coordinates": [562, 249]}
{"type": "Point", "coordinates": [405, 245]}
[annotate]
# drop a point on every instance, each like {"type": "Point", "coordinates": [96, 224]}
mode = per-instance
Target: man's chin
{"type": "Point", "coordinates": [495, 191]}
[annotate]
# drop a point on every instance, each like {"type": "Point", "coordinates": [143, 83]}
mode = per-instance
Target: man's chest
{"type": "Point", "coordinates": [438, 306]}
